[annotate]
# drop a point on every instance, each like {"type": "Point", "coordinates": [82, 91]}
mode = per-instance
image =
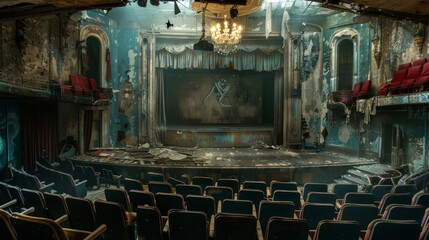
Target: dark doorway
{"type": "Point", "coordinates": [345, 64]}
{"type": "Point", "coordinates": [94, 58]}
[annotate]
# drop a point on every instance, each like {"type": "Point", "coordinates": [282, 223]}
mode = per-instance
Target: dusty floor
{"type": "Point", "coordinates": [228, 157]}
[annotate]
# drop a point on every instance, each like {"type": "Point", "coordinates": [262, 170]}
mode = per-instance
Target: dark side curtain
{"type": "Point", "coordinates": [39, 133]}
{"type": "Point", "coordinates": [87, 128]}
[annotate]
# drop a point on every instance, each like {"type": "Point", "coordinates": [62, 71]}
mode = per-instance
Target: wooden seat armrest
{"type": "Point", "coordinates": [28, 211]}
{"type": "Point", "coordinates": [97, 232]}
{"type": "Point", "coordinates": [8, 204]}
{"type": "Point", "coordinates": [62, 219]}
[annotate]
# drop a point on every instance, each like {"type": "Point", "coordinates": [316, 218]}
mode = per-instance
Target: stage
{"type": "Point", "coordinates": [260, 162]}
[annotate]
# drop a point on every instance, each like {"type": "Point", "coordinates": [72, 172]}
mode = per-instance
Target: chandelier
{"type": "Point", "coordinates": [226, 38]}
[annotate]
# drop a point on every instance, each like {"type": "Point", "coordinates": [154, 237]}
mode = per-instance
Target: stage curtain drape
{"type": "Point", "coordinates": [252, 55]}
{"type": "Point", "coordinates": [87, 128]}
{"type": "Point", "coordinates": [39, 133]}
{"type": "Point", "coordinates": [161, 122]}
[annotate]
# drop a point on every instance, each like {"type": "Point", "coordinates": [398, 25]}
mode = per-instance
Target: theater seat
{"type": "Point", "coordinates": [422, 81]}
{"type": "Point", "coordinates": [364, 90]}
{"type": "Point", "coordinates": [412, 74]}
{"type": "Point", "coordinates": [419, 61]}
{"type": "Point", "coordinates": [397, 79]}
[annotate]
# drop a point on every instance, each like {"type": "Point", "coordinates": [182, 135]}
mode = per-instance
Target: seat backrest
{"type": "Point", "coordinates": [235, 226]}
{"type": "Point", "coordinates": [154, 177]}
{"type": "Point", "coordinates": [380, 190]}
{"type": "Point", "coordinates": [425, 70]}
{"type": "Point", "coordinates": [237, 206]}
{"type": "Point", "coordinates": [268, 209]}
{"type": "Point", "coordinates": [7, 232]}
{"type": "Point", "coordinates": [256, 196]}
{"type": "Point", "coordinates": [314, 187]}
{"type": "Point", "coordinates": [356, 89]}
{"type": "Point", "coordinates": [414, 72]}
{"type": "Point", "coordinates": [202, 181]}
{"type": "Point", "coordinates": [277, 185]}
{"type": "Point", "coordinates": [381, 229]}
{"type": "Point", "coordinates": [113, 216]}
{"type": "Point", "coordinates": [398, 76]}
{"type": "Point", "coordinates": [419, 61]}
{"type": "Point", "coordinates": [315, 212]}
{"type": "Point", "coordinates": [29, 227]}
{"type": "Point", "coordinates": [219, 193]}
{"type": "Point", "coordinates": [359, 198]}
{"type": "Point", "coordinates": [421, 198]}
{"type": "Point", "coordinates": [233, 183]}
{"type": "Point", "coordinates": [258, 185]}
{"type": "Point", "coordinates": [187, 225]}
{"type": "Point", "coordinates": [340, 189]}
{"type": "Point", "coordinates": [132, 184]}
{"type": "Point", "coordinates": [35, 199]}
{"type": "Point", "coordinates": [118, 195]}
{"type": "Point", "coordinates": [81, 213]}
{"type": "Point", "coordinates": [56, 205]}
{"type": "Point", "coordinates": [322, 197]}
{"type": "Point", "coordinates": [404, 212]}
{"type": "Point", "coordinates": [160, 187]}
{"type": "Point", "coordinates": [403, 66]}
{"type": "Point", "coordinates": [286, 195]}
{"type": "Point", "coordinates": [407, 188]}
{"type": "Point", "coordinates": [16, 193]}
{"type": "Point", "coordinates": [361, 213]}
{"type": "Point", "coordinates": [366, 87]}
{"type": "Point", "coordinates": [149, 225]}
{"type": "Point", "coordinates": [187, 189]}
{"type": "Point", "coordinates": [174, 181]}
{"type": "Point", "coordinates": [394, 198]}
{"type": "Point", "coordinates": [293, 228]}
{"type": "Point", "coordinates": [205, 204]}
{"type": "Point", "coordinates": [138, 197]}
{"type": "Point", "coordinates": [337, 230]}
{"type": "Point", "coordinates": [167, 201]}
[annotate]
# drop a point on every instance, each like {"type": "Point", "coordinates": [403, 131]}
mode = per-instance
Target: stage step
{"type": "Point", "coordinates": [373, 169]}
{"type": "Point", "coordinates": [359, 174]}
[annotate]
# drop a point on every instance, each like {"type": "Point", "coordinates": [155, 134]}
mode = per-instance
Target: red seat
{"type": "Point", "coordinates": [419, 61]}
{"type": "Point", "coordinates": [383, 89]}
{"type": "Point", "coordinates": [423, 80]}
{"type": "Point", "coordinates": [365, 89]}
{"type": "Point", "coordinates": [397, 79]}
{"type": "Point", "coordinates": [100, 93]}
{"type": "Point", "coordinates": [412, 74]}
{"type": "Point", "coordinates": [356, 89]}
{"type": "Point", "coordinates": [404, 66]}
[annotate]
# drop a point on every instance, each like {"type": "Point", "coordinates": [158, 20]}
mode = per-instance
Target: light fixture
{"type": "Point", "coordinates": [227, 37]}
{"type": "Point", "coordinates": [176, 8]}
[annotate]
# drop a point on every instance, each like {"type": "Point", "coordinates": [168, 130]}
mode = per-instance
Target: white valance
{"type": "Point", "coordinates": [252, 55]}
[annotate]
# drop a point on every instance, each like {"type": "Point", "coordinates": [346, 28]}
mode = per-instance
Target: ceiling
{"type": "Point", "coordinates": [401, 9]}
{"type": "Point", "coordinates": [12, 9]}
{"type": "Point", "coordinates": [417, 10]}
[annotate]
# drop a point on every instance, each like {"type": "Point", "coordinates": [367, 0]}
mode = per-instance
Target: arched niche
{"type": "Point", "coordinates": [92, 31]}
{"type": "Point", "coordinates": [344, 48]}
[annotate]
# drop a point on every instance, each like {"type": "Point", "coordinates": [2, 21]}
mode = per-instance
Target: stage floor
{"type": "Point", "coordinates": [265, 157]}
{"type": "Point", "coordinates": [264, 163]}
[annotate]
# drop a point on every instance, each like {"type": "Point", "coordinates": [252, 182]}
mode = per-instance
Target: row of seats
{"type": "Point", "coordinates": [81, 86]}
{"type": "Point", "coordinates": [160, 200]}
{"type": "Point", "coordinates": [408, 78]}
{"type": "Point", "coordinates": [313, 213]}
{"type": "Point", "coordinates": [64, 182]}
{"type": "Point", "coordinates": [25, 180]}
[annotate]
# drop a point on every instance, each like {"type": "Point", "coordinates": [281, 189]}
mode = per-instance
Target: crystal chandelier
{"type": "Point", "coordinates": [226, 38]}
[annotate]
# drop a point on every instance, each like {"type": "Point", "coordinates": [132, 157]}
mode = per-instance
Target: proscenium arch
{"type": "Point", "coordinates": [97, 32]}
{"type": "Point", "coordinates": [344, 34]}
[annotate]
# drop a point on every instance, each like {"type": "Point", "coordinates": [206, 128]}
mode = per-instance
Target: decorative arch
{"type": "Point", "coordinates": [100, 34]}
{"type": "Point", "coordinates": [336, 39]}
